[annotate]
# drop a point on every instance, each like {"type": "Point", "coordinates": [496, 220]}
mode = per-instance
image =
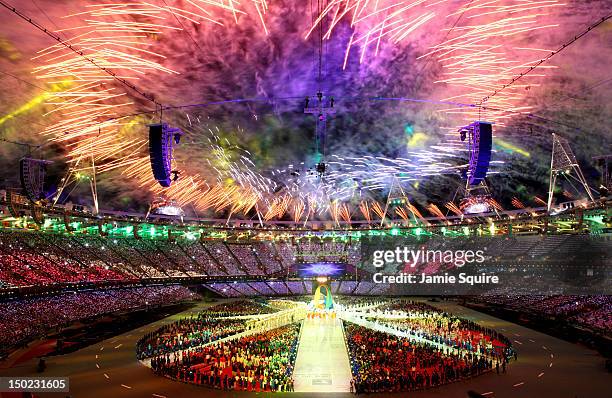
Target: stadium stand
{"type": "Point", "coordinates": [26, 318]}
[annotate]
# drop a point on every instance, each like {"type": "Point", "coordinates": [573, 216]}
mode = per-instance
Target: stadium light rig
{"type": "Point", "coordinates": [165, 207]}
{"type": "Point", "coordinates": [324, 106]}
{"type": "Point", "coordinates": [477, 204]}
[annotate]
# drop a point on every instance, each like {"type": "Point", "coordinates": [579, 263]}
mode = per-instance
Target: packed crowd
{"type": "Point", "coordinates": [22, 263]}
{"type": "Point", "coordinates": [314, 250]}
{"type": "Point", "coordinates": [597, 315]}
{"type": "Point", "coordinates": [591, 312]}
{"type": "Point", "coordinates": [24, 319]}
{"type": "Point", "coordinates": [246, 254]}
{"type": "Point", "coordinates": [36, 258]}
{"type": "Point", "coordinates": [258, 362]}
{"type": "Point", "coordinates": [382, 362]}
{"type": "Point", "coordinates": [31, 258]}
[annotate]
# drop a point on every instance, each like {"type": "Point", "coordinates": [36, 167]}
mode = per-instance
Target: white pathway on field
{"type": "Point", "coordinates": [322, 363]}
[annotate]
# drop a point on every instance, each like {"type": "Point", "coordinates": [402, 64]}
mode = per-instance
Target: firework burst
{"type": "Point", "coordinates": [113, 46]}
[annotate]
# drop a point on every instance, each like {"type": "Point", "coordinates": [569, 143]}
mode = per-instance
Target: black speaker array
{"type": "Point", "coordinates": [480, 158]}
{"type": "Point", "coordinates": [159, 154]}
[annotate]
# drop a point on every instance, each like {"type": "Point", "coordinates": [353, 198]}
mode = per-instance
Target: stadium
{"type": "Point", "coordinates": [207, 198]}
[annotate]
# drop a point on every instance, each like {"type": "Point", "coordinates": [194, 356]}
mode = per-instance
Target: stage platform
{"type": "Point", "coordinates": [322, 363]}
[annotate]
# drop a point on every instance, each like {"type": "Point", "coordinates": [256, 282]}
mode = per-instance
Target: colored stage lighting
{"type": "Point", "coordinates": [475, 205]}
{"type": "Point", "coordinates": [321, 269]}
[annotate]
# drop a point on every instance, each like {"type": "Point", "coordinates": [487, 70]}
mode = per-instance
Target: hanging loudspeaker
{"type": "Point", "coordinates": [161, 139]}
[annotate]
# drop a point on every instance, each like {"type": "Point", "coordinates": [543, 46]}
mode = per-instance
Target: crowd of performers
{"type": "Point", "coordinates": [321, 314]}
{"type": "Point", "coordinates": [200, 349]}
{"type": "Point", "coordinates": [214, 323]}
{"type": "Point", "coordinates": [431, 348]}
{"type": "Point", "coordinates": [186, 333]}
{"type": "Point", "coordinates": [426, 322]}
{"type": "Point", "coordinates": [440, 348]}
{"type": "Point", "coordinates": [257, 362]}
{"type": "Point", "coordinates": [240, 308]}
